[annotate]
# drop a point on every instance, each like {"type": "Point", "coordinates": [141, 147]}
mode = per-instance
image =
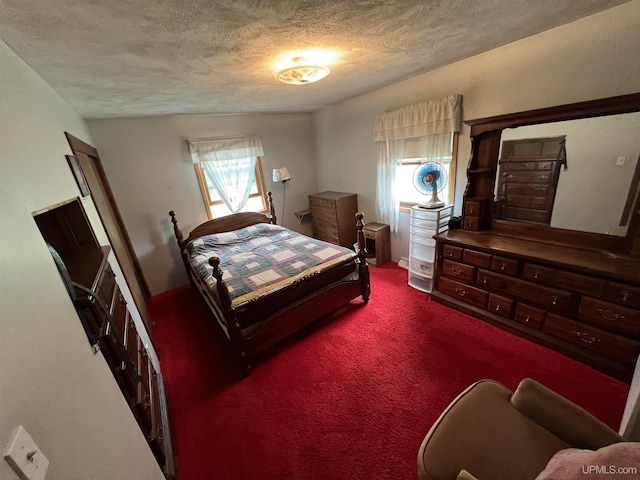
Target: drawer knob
{"type": "Point", "coordinates": [536, 275]}
{"type": "Point", "coordinates": [485, 280]}
{"type": "Point", "coordinates": [461, 292]}
{"type": "Point", "coordinates": [586, 338]}
{"type": "Point", "coordinates": [625, 295]}
{"type": "Point", "coordinates": [498, 307]}
{"type": "Point", "coordinates": [457, 271]}
{"type": "Point", "coordinates": [554, 300]}
{"type": "Point", "coordinates": [503, 267]}
{"type": "Point", "coordinates": [527, 319]}
{"type": "Point", "coordinates": [469, 225]}
{"type": "Point", "coordinates": [609, 315]}
{"type": "Point", "coordinates": [472, 211]}
{"type": "Point", "coordinates": [424, 267]}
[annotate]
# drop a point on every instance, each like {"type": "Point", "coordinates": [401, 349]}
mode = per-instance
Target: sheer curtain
{"type": "Point", "coordinates": [424, 128]}
{"type": "Point", "coordinates": [229, 164]}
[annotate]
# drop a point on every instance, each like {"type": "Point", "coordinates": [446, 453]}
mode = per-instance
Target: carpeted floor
{"type": "Point", "coordinates": [350, 398]}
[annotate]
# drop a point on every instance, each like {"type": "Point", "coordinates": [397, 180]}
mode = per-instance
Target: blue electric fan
{"type": "Point", "coordinates": [430, 179]}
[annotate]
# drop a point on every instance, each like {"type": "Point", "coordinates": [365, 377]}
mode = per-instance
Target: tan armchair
{"type": "Point", "coordinates": [496, 434]}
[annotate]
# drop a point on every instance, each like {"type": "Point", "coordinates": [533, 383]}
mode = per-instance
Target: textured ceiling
{"type": "Point", "coordinates": [146, 57]}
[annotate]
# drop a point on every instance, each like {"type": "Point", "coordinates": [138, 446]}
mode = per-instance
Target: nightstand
{"type": "Point", "coordinates": [377, 235]}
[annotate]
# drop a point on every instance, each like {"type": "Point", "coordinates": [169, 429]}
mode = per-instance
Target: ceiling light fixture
{"type": "Point", "coordinates": [301, 72]}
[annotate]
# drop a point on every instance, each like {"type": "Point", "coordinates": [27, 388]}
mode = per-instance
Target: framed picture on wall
{"type": "Point", "coordinates": [78, 175]}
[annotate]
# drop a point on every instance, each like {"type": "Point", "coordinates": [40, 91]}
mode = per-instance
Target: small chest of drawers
{"type": "Point", "coordinates": [333, 217]}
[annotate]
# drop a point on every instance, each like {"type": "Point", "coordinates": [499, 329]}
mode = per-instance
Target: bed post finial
{"type": "Point", "coordinates": [272, 210]}
{"type": "Point", "coordinates": [363, 269]}
{"type": "Point", "coordinates": [223, 291]}
{"type": "Point", "coordinates": [176, 229]}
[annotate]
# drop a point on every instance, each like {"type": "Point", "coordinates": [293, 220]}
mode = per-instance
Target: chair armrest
{"type": "Point", "coordinates": [563, 418]}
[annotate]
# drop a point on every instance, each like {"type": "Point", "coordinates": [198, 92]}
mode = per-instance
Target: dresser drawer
{"type": "Point", "coordinates": [527, 214]}
{"type": "Point", "coordinates": [478, 259]}
{"type": "Point", "coordinates": [545, 297]}
{"type": "Point", "coordinates": [119, 312]}
{"type": "Point", "coordinates": [106, 286]}
{"type": "Point", "coordinates": [324, 226]}
{"type": "Point", "coordinates": [528, 177]}
{"type": "Point", "coordinates": [539, 203]}
{"type": "Point", "coordinates": [530, 316]}
{"type": "Point", "coordinates": [598, 341]}
{"type": "Point", "coordinates": [511, 166]}
{"type": "Point", "coordinates": [520, 200]}
{"type": "Point", "coordinates": [367, 233]}
{"type": "Point", "coordinates": [131, 341]}
{"type": "Point", "coordinates": [500, 305]}
{"type": "Point", "coordinates": [561, 279]}
{"type": "Point", "coordinates": [471, 223]}
{"type": "Point", "coordinates": [452, 253]}
{"type": "Point", "coordinates": [622, 294]}
{"type": "Point", "coordinates": [545, 165]}
{"type": "Point", "coordinates": [609, 315]}
{"type": "Point", "coordinates": [326, 237]}
{"type": "Point", "coordinates": [524, 189]}
{"type": "Point", "coordinates": [322, 202]}
{"type": "Point", "coordinates": [458, 271]}
{"type": "Point", "coordinates": [507, 266]}
{"type": "Point", "coordinates": [320, 213]}
{"type": "Point", "coordinates": [472, 208]}
{"type": "Point", "coordinates": [466, 293]}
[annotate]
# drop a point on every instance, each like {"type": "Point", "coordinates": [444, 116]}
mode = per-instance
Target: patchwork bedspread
{"type": "Point", "coordinates": [262, 259]}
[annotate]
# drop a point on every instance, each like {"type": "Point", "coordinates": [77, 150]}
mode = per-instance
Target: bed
{"type": "Point", "coordinates": [263, 282]}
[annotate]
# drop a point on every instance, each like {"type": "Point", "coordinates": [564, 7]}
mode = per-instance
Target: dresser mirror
{"type": "Point", "coordinates": [591, 202]}
{"type": "Point", "coordinates": [577, 174]}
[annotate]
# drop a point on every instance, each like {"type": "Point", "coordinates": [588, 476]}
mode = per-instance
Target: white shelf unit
{"type": "Point", "coordinates": [424, 223]}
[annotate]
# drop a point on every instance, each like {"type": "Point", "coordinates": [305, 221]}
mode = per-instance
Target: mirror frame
{"type": "Point", "coordinates": [483, 165]}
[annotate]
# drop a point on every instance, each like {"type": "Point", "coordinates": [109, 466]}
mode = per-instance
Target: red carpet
{"type": "Point", "coordinates": [349, 399]}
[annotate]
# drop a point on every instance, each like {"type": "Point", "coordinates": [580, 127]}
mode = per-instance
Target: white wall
{"type": "Point", "coordinates": [150, 172]}
{"type": "Point", "coordinates": [50, 381]}
{"type": "Point", "coordinates": [592, 58]}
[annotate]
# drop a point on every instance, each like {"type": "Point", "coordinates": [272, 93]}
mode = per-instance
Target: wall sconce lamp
{"type": "Point", "coordinates": [282, 175]}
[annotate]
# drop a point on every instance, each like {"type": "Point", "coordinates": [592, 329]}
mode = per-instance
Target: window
{"type": "Point", "coordinates": [404, 187]}
{"type": "Point", "coordinates": [424, 130]}
{"type": "Point", "coordinates": [257, 201]}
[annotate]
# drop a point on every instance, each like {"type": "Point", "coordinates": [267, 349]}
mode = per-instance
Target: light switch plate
{"type": "Point", "coordinates": [24, 456]}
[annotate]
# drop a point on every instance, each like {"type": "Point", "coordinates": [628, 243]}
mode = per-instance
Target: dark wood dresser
{"type": "Point", "coordinates": [527, 179]}
{"type": "Point", "coordinates": [111, 329]}
{"type": "Point", "coordinates": [333, 217]}
{"type": "Point", "coordinates": [574, 290]}
{"type": "Point", "coordinates": [583, 303]}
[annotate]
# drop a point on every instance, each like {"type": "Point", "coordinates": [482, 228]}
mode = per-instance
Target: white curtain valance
{"type": "Point", "coordinates": [225, 148]}
{"type": "Point", "coordinates": [421, 119]}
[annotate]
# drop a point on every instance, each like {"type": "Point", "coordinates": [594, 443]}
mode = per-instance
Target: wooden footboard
{"type": "Point", "coordinates": [286, 313]}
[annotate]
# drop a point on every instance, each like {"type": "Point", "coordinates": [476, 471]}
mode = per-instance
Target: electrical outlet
{"type": "Point", "coordinates": [620, 160]}
{"type": "Point", "coordinates": [24, 456]}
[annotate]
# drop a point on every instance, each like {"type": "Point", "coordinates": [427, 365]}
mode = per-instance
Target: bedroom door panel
{"type": "Point", "coordinates": [102, 196]}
